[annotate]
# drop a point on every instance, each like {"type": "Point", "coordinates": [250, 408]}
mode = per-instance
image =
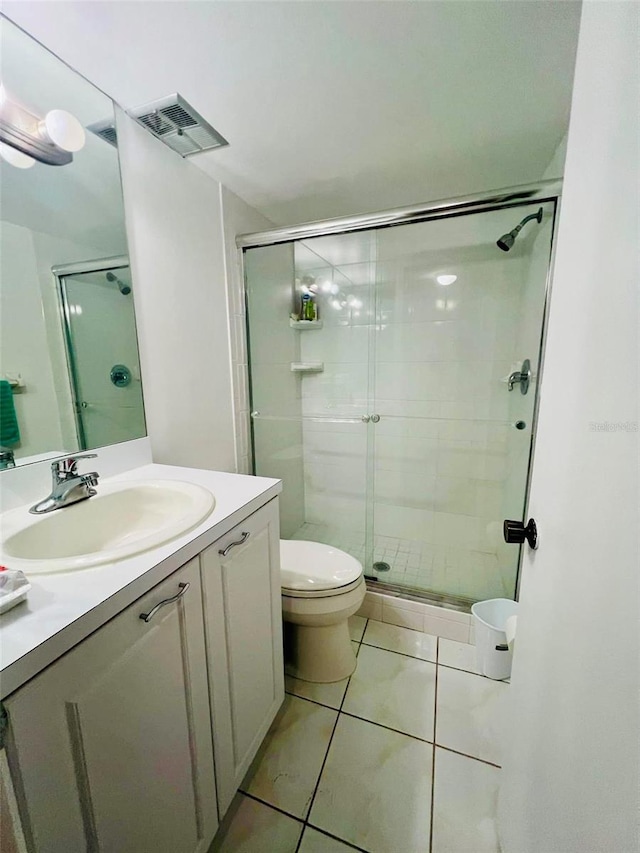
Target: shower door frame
{"type": "Point", "coordinates": [60, 273]}
{"type": "Point", "coordinates": [501, 199]}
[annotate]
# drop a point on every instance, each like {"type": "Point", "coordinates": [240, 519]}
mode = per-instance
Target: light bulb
{"type": "Point", "coordinates": [14, 157]}
{"type": "Point", "coordinates": [446, 280]}
{"type": "Point", "coordinates": [63, 129]}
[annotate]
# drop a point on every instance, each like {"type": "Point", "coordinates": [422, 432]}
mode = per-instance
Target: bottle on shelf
{"type": "Point", "coordinates": [309, 309]}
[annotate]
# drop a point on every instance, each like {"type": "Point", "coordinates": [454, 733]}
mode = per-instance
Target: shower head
{"type": "Point", "coordinates": [124, 289]}
{"type": "Point", "coordinates": [507, 240]}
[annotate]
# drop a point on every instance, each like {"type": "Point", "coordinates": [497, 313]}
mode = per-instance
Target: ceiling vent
{"type": "Point", "coordinates": [178, 125]}
{"type": "Point", "coordinates": [106, 130]}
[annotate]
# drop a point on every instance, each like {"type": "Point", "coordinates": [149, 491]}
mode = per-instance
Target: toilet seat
{"type": "Point", "coordinates": [316, 570]}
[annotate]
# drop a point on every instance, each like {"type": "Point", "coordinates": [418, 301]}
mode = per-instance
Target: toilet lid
{"type": "Point", "coordinates": [313, 566]}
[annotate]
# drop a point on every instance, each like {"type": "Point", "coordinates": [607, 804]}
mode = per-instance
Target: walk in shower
{"type": "Point", "coordinates": [98, 318]}
{"type": "Point", "coordinates": [401, 420]}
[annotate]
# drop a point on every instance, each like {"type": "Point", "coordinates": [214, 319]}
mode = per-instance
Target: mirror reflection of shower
{"type": "Point", "coordinates": [102, 351]}
{"type": "Point", "coordinates": [125, 289]}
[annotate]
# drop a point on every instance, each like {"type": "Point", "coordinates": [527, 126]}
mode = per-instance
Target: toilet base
{"type": "Point", "coordinates": [319, 653]}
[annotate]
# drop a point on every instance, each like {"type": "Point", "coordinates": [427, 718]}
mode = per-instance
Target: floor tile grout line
{"type": "Point", "coordinates": [313, 701]}
{"type": "Point", "coordinates": [470, 672]}
{"type": "Point", "coordinates": [349, 844]}
{"type": "Point", "coordinates": [299, 820]}
{"type": "Point", "coordinates": [326, 755]}
{"type": "Point", "coordinates": [433, 754]}
{"type": "Point", "coordinates": [394, 652]}
{"type": "Point", "coordinates": [388, 728]}
{"type": "Point", "coordinates": [466, 755]}
{"type": "Point", "coordinates": [433, 743]}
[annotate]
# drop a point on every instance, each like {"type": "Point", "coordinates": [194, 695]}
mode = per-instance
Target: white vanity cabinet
{"type": "Point", "coordinates": [136, 740]}
{"type": "Point", "coordinates": [243, 624]}
{"type": "Point", "coordinates": [112, 743]}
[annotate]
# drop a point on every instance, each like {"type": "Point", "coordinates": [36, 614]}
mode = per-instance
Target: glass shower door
{"type": "Point", "coordinates": [309, 407]}
{"type": "Point", "coordinates": [390, 418]}
{"type": "Point", "coordinates": [456, 316]}
{"type": "Point", "coordinates": [102, 351]}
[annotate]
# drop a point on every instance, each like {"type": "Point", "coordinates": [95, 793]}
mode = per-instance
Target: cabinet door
{"type": "Point", "coordinates": [111, 745]}
{"type": "Point", "coordinates": [243, 625]}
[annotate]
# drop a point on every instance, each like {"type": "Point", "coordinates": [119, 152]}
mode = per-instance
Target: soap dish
{"type": "Point", "coordinates": [307, 366]}
{"type": "Point", "coordinates": [14, 587]}
{"type": "Point", "coordinates": [302, 325]}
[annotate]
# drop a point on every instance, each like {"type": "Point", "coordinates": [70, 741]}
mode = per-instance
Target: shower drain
{"type": "Point", "coordinates": [381, 567]}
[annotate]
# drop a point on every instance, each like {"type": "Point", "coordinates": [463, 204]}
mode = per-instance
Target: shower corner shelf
{"type": "Point", "coordinates": [307, 366]}
{"type": "Point", "coordinates": [304, 325]}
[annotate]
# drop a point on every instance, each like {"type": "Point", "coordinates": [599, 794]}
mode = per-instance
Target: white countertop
{"type": "Point", "coordinates": [64, 608]}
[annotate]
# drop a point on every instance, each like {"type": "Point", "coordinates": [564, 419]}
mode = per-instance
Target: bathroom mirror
{"type": "Point", "coordinates": [69, 370]}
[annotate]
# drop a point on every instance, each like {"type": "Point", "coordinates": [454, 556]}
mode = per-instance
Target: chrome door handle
{"type": "Point", "coordinates": [147, 617]}
{"type": "Point", "coordinates": [231, 545]}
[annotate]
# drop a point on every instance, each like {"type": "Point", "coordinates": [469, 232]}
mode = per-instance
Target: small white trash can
{"type": "Point", "coordinates": [493, 655]}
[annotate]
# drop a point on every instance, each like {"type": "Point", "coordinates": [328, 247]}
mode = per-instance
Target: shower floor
{"type": "Point", "coordinates": [441, 569]}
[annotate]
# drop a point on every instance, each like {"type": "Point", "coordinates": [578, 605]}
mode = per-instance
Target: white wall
{"type": "Point", "coordinates": [571, 776]}
{"type": "Point", "coordinates": [555, 169]}
{"type": "Point", "coordinates": [24, 347]}
{"type": "Point", "coordinates": [174, 226]}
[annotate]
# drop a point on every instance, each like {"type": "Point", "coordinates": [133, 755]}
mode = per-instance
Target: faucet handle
{"type": "Point", "coordinates": [67, 467]}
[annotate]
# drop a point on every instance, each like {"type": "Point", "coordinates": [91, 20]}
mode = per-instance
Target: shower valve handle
{"type": "Point", "coordinates": [515, 532]}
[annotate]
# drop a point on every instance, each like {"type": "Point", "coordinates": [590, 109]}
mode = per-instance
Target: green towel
{"type": "Point", "coordinates": [9, 430]}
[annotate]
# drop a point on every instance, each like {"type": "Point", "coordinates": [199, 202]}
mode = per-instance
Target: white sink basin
{"type": "Point", "coordinates": [121, 520]}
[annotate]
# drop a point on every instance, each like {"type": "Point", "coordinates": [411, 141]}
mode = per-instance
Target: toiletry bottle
{"type": "Point", "coordinates": [308, 307]}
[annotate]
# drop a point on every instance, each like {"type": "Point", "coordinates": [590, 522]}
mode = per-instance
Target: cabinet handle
{"type": "Point", "coordinates": [147, 617]}
{"type": "Point", "coordinates": [231, 545]}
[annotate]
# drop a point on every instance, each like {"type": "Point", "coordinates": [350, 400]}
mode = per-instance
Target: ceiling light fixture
{"type": "Point", "coordinates": [446, 280]}
{"type": "Point", "coordinates": [52, 140]}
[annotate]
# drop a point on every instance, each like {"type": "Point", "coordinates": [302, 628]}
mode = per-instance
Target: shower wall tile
{"type": "Point", "coordinates": [403, 522]}
{"type": "Point", "coordinates": [455, 494]}
{"type": "Point", "coordinates": [342, 344]}
{"type": "Point", "coordinates": [396, 488]}
{"type": "Point", "coordinates": [345, 382]}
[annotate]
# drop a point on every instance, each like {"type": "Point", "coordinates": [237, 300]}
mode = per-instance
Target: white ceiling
{"type": "Point", "coordinates": [334, 108]}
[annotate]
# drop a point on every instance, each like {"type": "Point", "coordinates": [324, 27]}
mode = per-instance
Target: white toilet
{"type": "Point", "coordinates": [321, 587]}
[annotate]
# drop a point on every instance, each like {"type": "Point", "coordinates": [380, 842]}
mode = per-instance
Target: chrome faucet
{"type": "Point", "coordinates": [6, 458]}
{"type": "Point", "coordinates": [68, 487]}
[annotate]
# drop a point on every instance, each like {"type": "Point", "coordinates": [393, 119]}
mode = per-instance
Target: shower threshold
{"type": "Point", "coordinates": [394, 590]}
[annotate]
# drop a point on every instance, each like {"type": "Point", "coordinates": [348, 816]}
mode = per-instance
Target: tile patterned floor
{"type": "Point", "coordinates": [403, 757]}
{"type": "Point", "coordinates": [436, 568]}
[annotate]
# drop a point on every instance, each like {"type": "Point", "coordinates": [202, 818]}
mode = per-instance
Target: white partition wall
{"type": "Point", "coordinates": [571, 775]}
